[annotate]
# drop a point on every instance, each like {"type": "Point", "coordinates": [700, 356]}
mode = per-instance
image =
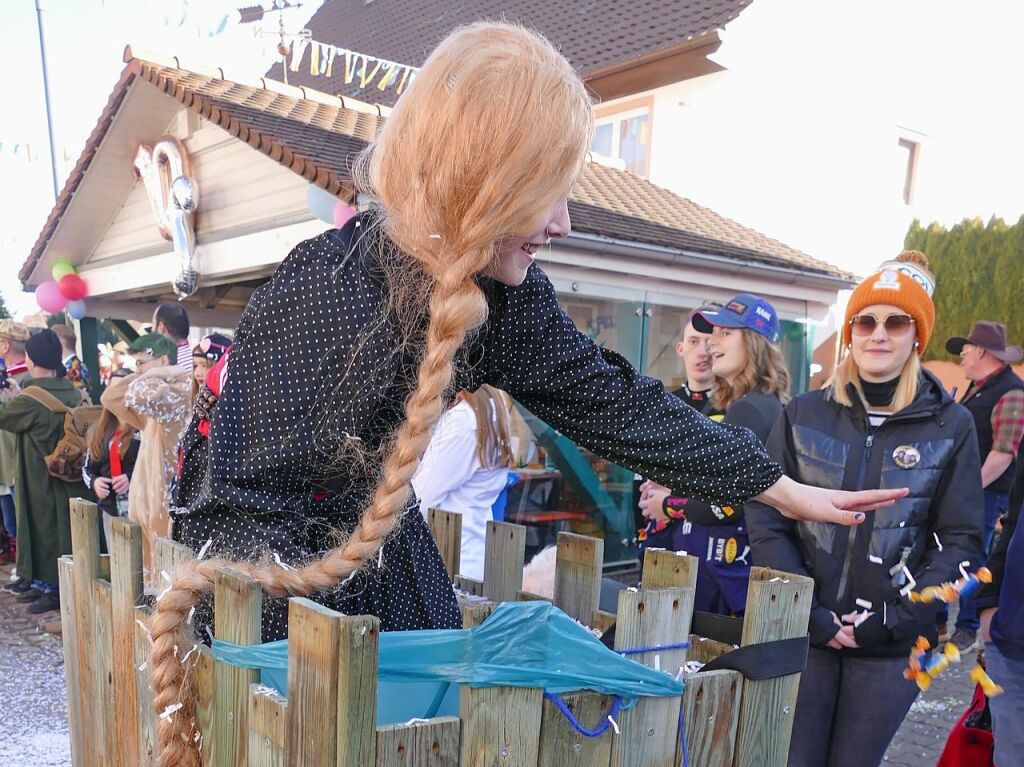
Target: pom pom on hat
{"type": "Point", "coordinates": [904, 282]}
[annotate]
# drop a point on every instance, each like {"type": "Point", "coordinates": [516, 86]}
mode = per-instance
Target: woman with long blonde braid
{"type": "Point", "coordinates": [345, 362]}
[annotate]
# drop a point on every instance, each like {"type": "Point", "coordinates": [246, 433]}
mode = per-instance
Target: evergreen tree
{"type": "Point", "coordinates": [5, 313]}
{"type": "Point", "coordinates": [979, 274]}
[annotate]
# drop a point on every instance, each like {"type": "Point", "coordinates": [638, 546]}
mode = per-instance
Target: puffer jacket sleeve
{"type": "Point", "coordinates": [597, 398]}
{"type": "Point", "coordinates": [956, 519]}
{"type": "Point", "coordinates": [773, 537]}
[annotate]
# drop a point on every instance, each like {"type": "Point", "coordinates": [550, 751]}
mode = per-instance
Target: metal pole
{"type": "Point", "coordinates": [46, 92]}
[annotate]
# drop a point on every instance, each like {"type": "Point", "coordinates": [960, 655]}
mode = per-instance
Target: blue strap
{"type": "Point", "coordinates": [617, 703]}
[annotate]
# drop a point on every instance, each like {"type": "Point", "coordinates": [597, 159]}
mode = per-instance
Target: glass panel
{"type": "Point", "coordinates": [634, 143]}
{"type": "Point", "coordinates": [602, 143]}
{"type": "Point", "coordinates": [795, 346]}
{"type": "Point", "coordinates": [568, 487]}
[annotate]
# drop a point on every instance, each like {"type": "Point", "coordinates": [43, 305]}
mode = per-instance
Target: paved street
{"type": "Point", "coordinates": [34, 712]}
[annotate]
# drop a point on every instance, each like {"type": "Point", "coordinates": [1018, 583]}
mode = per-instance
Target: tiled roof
{"type": "Point", "coordinates": [316, 136]}
{"type": "Point", "coordinates": [595, 35]}
{"type": "Point", "coordinates": [619, 204]}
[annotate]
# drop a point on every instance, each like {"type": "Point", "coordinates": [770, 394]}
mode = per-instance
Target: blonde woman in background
{"type": "Point", "coordinates": [466, 467]}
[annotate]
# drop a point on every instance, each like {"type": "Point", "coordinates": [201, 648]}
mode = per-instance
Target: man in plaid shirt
{"type": "Point", "coordinates": [995, 398]}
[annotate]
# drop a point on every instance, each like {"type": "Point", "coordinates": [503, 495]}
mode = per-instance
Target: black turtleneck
{"type": "Point", "coordinates": [879, 394]}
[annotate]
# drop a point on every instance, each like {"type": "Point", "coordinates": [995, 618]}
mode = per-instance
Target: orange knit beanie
{"type": "Point", "coordinates": [906, 283]}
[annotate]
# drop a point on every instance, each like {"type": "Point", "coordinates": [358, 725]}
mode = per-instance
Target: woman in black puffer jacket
{"type": "Point", "coordinates": [881, 422]}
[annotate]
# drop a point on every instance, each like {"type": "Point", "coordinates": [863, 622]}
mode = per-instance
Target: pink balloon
{"type": "Point", "coordinates": [342, 213]}
{"type": "Point", "coordinates": [49, 297]}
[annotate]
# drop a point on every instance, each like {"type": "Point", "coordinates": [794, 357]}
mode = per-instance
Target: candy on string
{"type": "Point", "coordinates": [923, 668]}
{"type": "Point", "coordinates": [950, 592]}
{"type": "Point", "coordinates": [980, 677]}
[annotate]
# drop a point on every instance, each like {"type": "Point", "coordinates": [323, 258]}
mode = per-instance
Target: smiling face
{"type": "Point", "coordinates": [881, 354]}
{"type": "Point", "coordinates": [200, 367]}
{"type": "Point", "coordinates": [728, 352]}
{"type": "Point", "coordinates": [696, 358]}
{"type": "Point", "coordinates": [515, 254]}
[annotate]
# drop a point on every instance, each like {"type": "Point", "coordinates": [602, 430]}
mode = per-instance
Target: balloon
{"type": "Point", "coordinates": [72, 287]}
{"type": "Point", "coordinates": [342, 213]}
{"type": "Point", "coordinates": [75, 309]}
{"type": "Point", "coordinates": [60, 268]}
{"type": "Point", "coordinates": [321, 203]}
{"type": "Point", "coordinates": [49, 297]}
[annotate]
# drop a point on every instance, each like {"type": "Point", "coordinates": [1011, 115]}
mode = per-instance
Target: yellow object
{"type": "Point", "coordinates": [990, 688]}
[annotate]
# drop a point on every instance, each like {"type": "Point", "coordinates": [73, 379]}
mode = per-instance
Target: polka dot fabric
{"type": "Point", "coordinates": [317, 382]}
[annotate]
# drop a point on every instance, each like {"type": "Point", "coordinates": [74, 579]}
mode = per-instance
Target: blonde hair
{"type": "Point", "coordinates": [766, 372]}
{"type": "Point", "coordinates": [846, 372]}
{"type": "Point", "coordinates": [493, 427]}
{"type": "Point", "coordinates": [494, 129]}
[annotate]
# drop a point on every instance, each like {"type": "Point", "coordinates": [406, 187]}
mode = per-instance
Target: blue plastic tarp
{"type": "Point", "coordinates": [522, 644]}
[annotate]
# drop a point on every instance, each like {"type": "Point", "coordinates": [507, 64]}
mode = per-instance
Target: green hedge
{"type": "Point", "coordinates": [979, 274]}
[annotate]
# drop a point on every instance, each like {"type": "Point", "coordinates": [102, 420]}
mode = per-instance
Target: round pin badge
{"type": "Point", "coordinates": [906, 456]}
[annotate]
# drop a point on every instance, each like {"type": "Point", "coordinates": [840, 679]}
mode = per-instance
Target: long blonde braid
{"type": "Point", "coordinates": [456, 169]}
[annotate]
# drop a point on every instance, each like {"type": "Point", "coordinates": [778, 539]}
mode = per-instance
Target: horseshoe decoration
{"type": "Point", "coordinates": [173, 195]}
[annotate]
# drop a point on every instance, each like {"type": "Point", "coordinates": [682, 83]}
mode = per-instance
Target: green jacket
{"type": "Point", "coordinates": [9, 445]}
{"type": "Point", "coordinates": [41, 501]}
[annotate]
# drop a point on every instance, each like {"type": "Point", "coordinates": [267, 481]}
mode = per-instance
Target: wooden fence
{"type": "Point", "coordinates": [328, 715]}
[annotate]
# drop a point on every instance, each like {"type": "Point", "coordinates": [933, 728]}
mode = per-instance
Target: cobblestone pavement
{"type": "Point", "coordinates": [922, 736]}
{"type": "Point", "coordinates": [33, 706]}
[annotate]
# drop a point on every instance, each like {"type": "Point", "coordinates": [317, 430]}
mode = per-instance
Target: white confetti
{"type": "Point", "coordinates": [863, 603]}
{"type": "Point", "coordinates": [191, 615]}
{"type": "Point", "coordinates": [657, 663]}
{"type": "Point", "coordinates": [615, 726]}
{"type": "Point", "coordinates": [282, 565]}
{"type": "Point", "coordinates": [937, 541]}
{"type": "Point", "coordinates": [874, 560]}
{"type": "Point", "coordinates": [142, 666]}
{"type": "Point", "coordinates": [169, 711]}
{"type": "Point", "coordinates": [145, 628]}
{"type": "Point", "coordinates": [911, 583]}
{"type": "Point", "coordinates": [206, 546]}
{"type": "Point", "coordinates": [963, 569]}
{"type": "Point", "coordinates": [195, 647]}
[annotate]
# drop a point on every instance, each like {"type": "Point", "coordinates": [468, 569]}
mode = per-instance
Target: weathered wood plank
{"type": "Point", "coordinates": [778, 607]}
{"type": "Point", "coordinates": [103, 669]}
{"type": "Point", "coordinates": [526, 596]}
{"type": "Point", "coordinates": [446, 527]}
{"type": "Point", "coordinates": [602, 620]}
{"type": "Point", "coordinates": [505, 547]}
{"type": "Point", "coordinates": [430, 743]}
{"type": "Point", "coordinates": [332, 686]}
{"type": "Point", "coordinates": [237, 603]}
{"type": "Point", "coordinates": [499, 726]}
{"type": "Point", "coordinates": [475, 613]}
{"type": "Point", "coordinates": [103, 568]}
{"type": "Point", "coordinates": [167, 555]}
{"type": "Point", "coordinates": [711, 710]}
{"type": "Point", "coordinates": [668, 569]}
{"type": "Point", "coordinates": [579, 560]}
{"type": "Point", "coordinates": [125, 592]}
{"type": "Point", "coordinates": [706, 650]}
{"type": "Point", "coordinates": [652, 618]}
{"type": "Point", "coordinates": [562, 746]}
{"type": "Point", "coordinates": [144, 713]}
{"type": "Point", "coordinates": [469, 585]}
{"type": "Point", "coordinates": [268, 730]}
{"type": "Point", "coordinates": [85, 547]}
{"type": "Point", "coordinates": [72, 677]}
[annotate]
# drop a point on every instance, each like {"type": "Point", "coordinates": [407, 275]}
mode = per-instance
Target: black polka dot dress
{"type": "Point", "coordinates": [317, 382]}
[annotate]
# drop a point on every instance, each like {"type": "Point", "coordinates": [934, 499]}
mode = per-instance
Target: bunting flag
{"type": "Point", "coordinates": [355, 67]}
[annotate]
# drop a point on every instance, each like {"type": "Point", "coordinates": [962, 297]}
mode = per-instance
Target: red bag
{"type": "Point", "coordinates": [970, 741]}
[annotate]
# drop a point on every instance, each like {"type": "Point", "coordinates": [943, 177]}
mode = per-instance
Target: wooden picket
{"type": "Point", "coordinates": [328, 717]}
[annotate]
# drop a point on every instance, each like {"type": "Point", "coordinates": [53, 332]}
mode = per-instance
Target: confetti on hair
{"type": "Point", "coordinates": [283, 566]}
{"type": "Point", "coordinates": [168, 712]}
{"type": "Point", "coordinates": [205, 548]}
{"type": "Point", "coordinates": [191, 615]}
{"type": "Point", "coordinates": [195, 648]}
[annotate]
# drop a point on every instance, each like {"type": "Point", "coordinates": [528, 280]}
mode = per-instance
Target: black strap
{"type": "Point", "coordinates": [721, 628]}
{"type": "Point", "coordinates": [766, 660]}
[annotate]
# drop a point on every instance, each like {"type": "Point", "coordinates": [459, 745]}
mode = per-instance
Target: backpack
{"type": "Point", "coordinates": [66, 460]}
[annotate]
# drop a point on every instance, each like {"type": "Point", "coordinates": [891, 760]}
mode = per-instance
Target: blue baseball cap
{"type": "Point", "coordinates": [744, 311]}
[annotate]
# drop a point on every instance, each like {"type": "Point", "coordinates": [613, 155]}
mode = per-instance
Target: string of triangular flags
{"type": "Point", "coordinates": [356, 67]}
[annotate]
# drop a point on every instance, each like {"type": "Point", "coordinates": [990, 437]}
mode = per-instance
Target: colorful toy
{"type": "Point", "coordinates": [923, 668]}
{"type": "Point", "coordinates": [950, 592]}
{"type": "Point", "coordinates": [979, 676]}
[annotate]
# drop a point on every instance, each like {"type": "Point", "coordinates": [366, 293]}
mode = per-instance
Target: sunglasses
{"type": "Point", "coordinates": [895, 324]}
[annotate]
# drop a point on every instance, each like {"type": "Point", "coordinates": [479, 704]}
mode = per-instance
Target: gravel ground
{"type": "Point", "coordinates": [33, 705]}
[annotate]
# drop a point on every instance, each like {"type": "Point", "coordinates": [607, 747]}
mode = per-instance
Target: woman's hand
{"type": "Point", "coordinates": [101, 486]}
{"type": "Point", "coordinates": [120, 483]}
{"type": "Point", "coordinates": [818, 504]}
{"type": "Point", "coordinates": [652, 499]}
{"type": "Point", "coordinates": [841, 638]}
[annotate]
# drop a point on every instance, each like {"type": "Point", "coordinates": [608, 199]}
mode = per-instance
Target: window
{"type": "Point", "coordinates": [910, 174]}
{"type": "Point", "coordinates": [623, 132]}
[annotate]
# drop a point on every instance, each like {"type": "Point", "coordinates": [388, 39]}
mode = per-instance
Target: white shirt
{"type": "Point", "coordinates": [450, 477]}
